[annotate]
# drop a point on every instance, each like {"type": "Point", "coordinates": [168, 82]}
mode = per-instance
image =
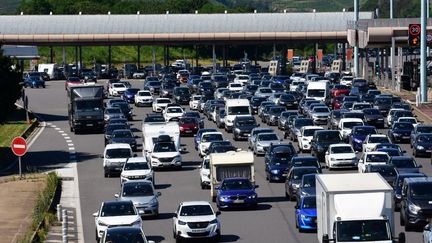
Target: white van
{"type": "Point", "coordinates": [49, 68]}
{"type": "Point", "coordinates": [234, 108]}
{"type": "Point", "coordinates": [151, 132]}
{"type": "Point", "coordinates": [318, 90]}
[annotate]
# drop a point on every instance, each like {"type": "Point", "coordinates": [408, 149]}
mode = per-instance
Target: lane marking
{"type": "Point", "coordinates": [71, 148]}
{"type": "Point", "coordinates": [66, 137]}
{"type": "Point", "coordinates": [70, 144]}
{"type": "Point", "coordinates": [57, 128]}
{"type": "Point", "coordinates": [68, 141]}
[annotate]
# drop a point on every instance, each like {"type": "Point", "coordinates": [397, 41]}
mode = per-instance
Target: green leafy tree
{"type": "Point", "coordinates": [35, 7]}
{"type": "Point", "coordinates": [11, 87]}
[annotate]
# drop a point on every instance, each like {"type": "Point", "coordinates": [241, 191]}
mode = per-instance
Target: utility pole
{"type": "Point", "coordinates": [356, 49]}
{"type": "Point", "coordinates": [423, 54]}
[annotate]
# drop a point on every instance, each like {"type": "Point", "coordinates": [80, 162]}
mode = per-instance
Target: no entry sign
{"type": "Point", "coordinates": [19, 146]}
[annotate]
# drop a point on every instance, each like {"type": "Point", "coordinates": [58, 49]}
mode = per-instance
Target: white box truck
{"type": "Point", "coordinates": [234, 108]}
{"type": "Point", "coordinates": [152, 131]}
{"type": "Point", "coordinates": [228, 165]}
{"type": "Point", "coordinates": [49, 68]}
{"type": "Point", "coordinates": [355, 207]}
{"type": "Point", "coordinates": [318, 90]}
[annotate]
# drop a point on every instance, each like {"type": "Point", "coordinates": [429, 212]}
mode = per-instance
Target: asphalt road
{"type": "Point", "coordinates": [273, 221]}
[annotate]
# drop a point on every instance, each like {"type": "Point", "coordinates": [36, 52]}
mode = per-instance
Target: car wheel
{"type": "Point", "coordinates": [96, 236]}
{"type": "Point", "coordinates": [43, 86]}
{"type": "Point", "coordinates": [235, 137]}
{"type": "Point", "coordinates": [407, 227]}
{"type": "Point", "coordinates": [106, 174]}
{"type": "Point", "coordinates": [202, 185]}
{"type": "Point", "coordinates": [217, 238]}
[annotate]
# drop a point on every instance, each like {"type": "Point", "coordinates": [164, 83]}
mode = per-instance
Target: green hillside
{"type": "Point", "coordinates": [9, 6]}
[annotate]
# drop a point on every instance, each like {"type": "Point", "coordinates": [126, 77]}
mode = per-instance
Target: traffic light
{"type": "Point", "coordinates": [414, 40]}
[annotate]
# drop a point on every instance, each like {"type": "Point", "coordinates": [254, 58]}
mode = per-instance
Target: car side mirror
{"type": "Point", "coordinates": [427, 228]}
{"type": "Point", "coordinates": [95, 214]}
{"type": "Point", "coordinates": [158, 194]}
{"type": "Point", "coordinates": [403, 151]}
{"type": "Point", "coordinates": [150, 241]}
{"type": "Point", "coordinates": [361, 161]}
{"type": "Point", "coordinates": [327, 153]}
{"type": "Point", "coordinates": [356, 152]}
{"type": "Point", "coordinates": [401, 238]}
{"type": "Point", "coordinates": [218, 213]}
{"type": "Point", "coordinates": [238, 149]}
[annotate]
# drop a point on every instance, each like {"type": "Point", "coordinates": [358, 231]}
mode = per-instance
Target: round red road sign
{"type": "Point", "coordinates": [19, 146]}
{"type": "Point", "coordinates": [414, 29]}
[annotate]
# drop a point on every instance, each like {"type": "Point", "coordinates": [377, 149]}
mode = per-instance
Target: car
{"type": "Point", "coordinates": [400, 132]}
{"type": "Point", "coordinates": [346, 124]}
{"type": "Point", "coordinates": [307, 187]}
{"type": "Point", "coordinates": [137, 168]}
{"type": "Point", "coordinates": [276, 167]}
{"type": "Point", "coordinates": [195, 114]}
{"type": "Point", "coordinates": [302, 161]}
{"type": "Point", "coordinates": [340, 156]}
{"type": "Point", "coordinates": [411, 120]}
{"type": "Point", "coordinates": [206, 139]}
{"type": "Point", "coordinates": [220, 118]}
{"type": "Point", "coordinates": [390, 151]}
{"type": "Point", "coordinates": [306, 214]}
{"type": "Point", "coordinates": [397, 186]}
{"type": "Point", "coordinates": [336, 102]}
{"type": "Point", "coordinates": [320, 115]}
{"type": "Point", "coordinates": [283, 119]}
{"type": "Point", "coordinates": [154, 86]}
{"type": "Point", "coordinates": [143, 98]}
{"type": "Point", "coordinates": [405, 164]}
{"type": "Point", "coordinates": [236, 87]}
{"type": "Point", "coordinates": [373, 117]}
{"type": "Point", "coordinates": [236, 192]}
{"type": "Point", "coordinates": [204, 171]}
{"type": "Point", "coordinates": [72, 80]}
{"type": "Point", "coordinates": [387, 171]}
{"type": "Point", "coordinates": [205, 87]}
{"type": "Point", "coordinates": [114, 157]}
{"type": "Point", "coordinates": [415, 207]}
{"type": "Point", "coordinates": [359, 134]}
{"type": "Point", "coordinates": [265, 113]}
{"type": "Point", "coordinates": [196, 219]}
{"type": "Point", "coordinates": [383, 103]}
{"type": "Point", "coordinates": [34, 82]}
{"type": "Point", "coordinates": [360, 106]}
{"type": "Point", "coordinates": [153, 118]}
{"type": "Point", "coordinates": [422, 145]}
{"type": "Point", "coordinates": [390, 115]}
{"type": "Point", "coordinates": [279, 152]}
{"type": "Point", "coordinates": [334, 118]}
{"type": "Point", "coordinates": [110, 128]}
{"type": "Point", "coordinates": [143, 196]}
{"type": "Point", "coordinates": [166, 90]}
{"type": "Point", "coordinates": [116, 213]}
{"type": "Point", "coordinates": [273, 115]}
{"type": "Point", "coordinates": [123, 136]}
{"type": "Point", "coordinates": [181, 95]}
{"type": "Point", "coordinates": [294, 178]}
{"type": "Point", "coordinates": [339, 90]}
{"type": "Point", "coordinates": [373, 158]}
{"type": "Point", "coordinates": [117, 89]}
{"type": "Point", "coordinates": [242, 127]}
{"type": "Point", "coordinates": [255, 103]}
{"type": "Point", "coordinates": [254, 133]}
{"type": "Point", "coordinates": [217, 146]}
{"type": "Point", "coordinates": [197, 138]}
{"type": "Point", "coordinates": [129, 95]}
{"type": "Point", "coordinates": [372, 140]}
{"type": "Point", "coordinates": [159, 104]}
{"type": "Point", "coordinates": [322, 140]}
{"type": "Point", "coordinates": [188, 126]}
{"type": "Point", "coordinates": [165, 154]}
{"type": "Point", "coordinates": [124, 234]}
{"type": "Point", "coordinates": [298, 123]}
{"type": "Point", "coordinates": [173, 113]}
{"type": "Point", "coordinates": [419, 129]}
{"type": "Point", "coordinates": [305, 137]}
{"type": "Point", "coordinates": [400, 114]}
{"type": "Point", "coordinates": [193, 103]}
{"type": "Point", "coordinates": [263, 142]}
{"type": "Point", "coordinates": [125, 108]}
{"type": "Point", "coordinates": [263, 92]}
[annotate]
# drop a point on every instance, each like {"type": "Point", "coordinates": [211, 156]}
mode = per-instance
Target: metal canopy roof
{"type": "Point", "coordinates": [21, 52]}
{"type": "Point", "coordinates": [124, 29]}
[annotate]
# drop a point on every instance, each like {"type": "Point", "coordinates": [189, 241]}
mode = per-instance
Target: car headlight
{"type": "Point", "coordinates": [413, 208]}
{"type": "Point", "coordinates": [154, 201]}
{"type": "Point", "coordinates": [181, 222]}
{"type": "Point", "coordinates": [398, 196]}
{"type": "Point", "coordinates": [178, 157]}
{"type": "Point", "coordinates": [296, 186]}
{"type": "Point", "coordinates": [101, 223]}
{"type": "Point", "coordinates": [396, 134]}
{"type": "Point", "coordinates": [332, 159]}
{"type": "Point", "coordinates": [252, 196]}
{"type": "Point", "coordinates": [237, 130]}
{"type": "Point", "coordinates": [214, 221]}
{"type": "Point", "coordinates": [274, 171]}
{"type": "Point", "coordinates": [304, 216]}
{"type": "Point", "coordinates": [224, 198]}
{"type": "Point", "coordinates": [420, 147]}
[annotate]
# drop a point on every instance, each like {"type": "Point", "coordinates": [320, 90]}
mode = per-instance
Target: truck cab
{"type": "Point", "coordinates": [234, 108]}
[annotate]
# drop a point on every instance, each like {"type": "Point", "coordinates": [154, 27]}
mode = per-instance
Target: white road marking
{"type": "Point", "coordinates": [71, 148]}
{"type": "Point", "coordinates": [21, 146]}
{"type": "Point", "coordinates": [68, 141]}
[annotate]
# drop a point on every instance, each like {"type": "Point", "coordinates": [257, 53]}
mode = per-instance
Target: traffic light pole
{"type": "Point", "coordinates": [356, 49]}
{"type": "Point", "coordinates": [423, 54]}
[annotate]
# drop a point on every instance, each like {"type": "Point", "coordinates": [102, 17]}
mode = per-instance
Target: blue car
{"type": "Point", "coordinates": [400, 132]}
{"type": "Point", "coordinates": [359, 134]}
{"type": "Point", "coordinates": [235, 193]}
{"type": "Point", "coordinates": [129, 95]}
{"type": "Point", "coordinates": [306, 214]}
{"type": "Point", "coordinates": [34, 82]}
{"type": "Point", "coordinates": [197, 138]}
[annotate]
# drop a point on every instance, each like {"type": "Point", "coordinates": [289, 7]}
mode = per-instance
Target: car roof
{"type": "Point", "coordinates": [340, 145]}
{"type": "Point", "coordinates": [137, 160]}
{"type": "Point", "coordinates": [350, 120]}
{"type": "Point", "coordinates": [117, 145]}
{"type": "Point", "coordinates": [412, 180]}
{"type": "Point", "coordinates": [402, 158]}
{"type": "Point", "coordinates": [192, 203]}
{"type": "Point", "coordinates": [124, 229]}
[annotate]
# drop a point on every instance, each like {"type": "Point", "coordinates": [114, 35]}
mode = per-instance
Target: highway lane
{"type": "Point", "coordinates": [272, 222]}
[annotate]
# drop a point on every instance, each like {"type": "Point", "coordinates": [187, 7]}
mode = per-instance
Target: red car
{"type": "Point", "coordinates": [337, 102]}
{"type": "Point", "coordinates": [72, 81]}
{"type": "Point", "coordinates": [339, 90]}
{"type": "Point", "coordinates": [188, 126]}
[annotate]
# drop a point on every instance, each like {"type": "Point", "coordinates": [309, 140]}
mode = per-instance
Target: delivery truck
{"type": "Point", "coordinates": [355, 207]}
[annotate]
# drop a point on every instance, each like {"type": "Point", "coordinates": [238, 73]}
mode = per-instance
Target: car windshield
{"type": "Point", "coordinates": [154, 119]}
{"type": "Point", "coordinates": [88, 105]}
{"type": "Point", "coordinates": [377, 158]}
{"type": "Point", "coordinates": [303, 122]}
{"type": "Point", "coordinates": [329, 137]}
{"type": "Point", "coordinates": [250, 122]}
{"type": "Point", "coordinates": [342, 149]}
{"type": "Point", "coordinates": [404, 126]}
{"type": "Point", "coordinates": [153, 83]}
{"type": "Point", "coordinates": [363, 131]}
{"type": "Point", "coordinates": [308, 181]}
{"type": "Point", "coordinates": [321, 109]}
{"type": "Point", "coordinates": [112, 127]}
{"type": "Point", "coordinates": [118, 153]}
{"type": "Point", "coordinates": [309, 202]}
{"type": "Point", "coordinates": [206, 85]}
{"type": "Point", "coordinates": [287, 98]}
{"type": "Point", "coordinates": [368, 230]}
{"type": "Point", "coordinates": [238, 110]}
{"type": "Point", "coordinates": [211, 137]}
{"type": "Point", "coordinates": [137, 190]}
{"type": "Point", "coordinates": [267, 137]}
{"type": "Point", "coordinates": [118, 85]}
{"type": "Point", "coordinates": [404, 163]}
{"type": "Point", "coordinates": [196, 97]}
{"type": "Point", "coordinates": [361, 106]}
{"type": "Point", "coordinates": [122, 134]}
{"type": "Point", "coordinates": [163, 101]}
{"type": "Point", "coordinates": [316, 93]}
{"type": "Point", "coordinates": [182, 91]}
{"type": "Point", "coordinates": [196, 210]}
{"type": "Point", "coordinates": [298, 174]}
{"type": "Point", "coordinates": [164, 147]}
{"type": "Point", "coordinates": [188, 120]}
{"type": "Point", "coordinates": [421, 191]}
{"type": "Point", "coordinates": [371, 112]}
{"type": "Point", "coordinates": [265, 91]}
{"type": "Point", "coordinates": [124, 237]}
{"type": "Point", "coordinates": [424, 139]}
{"type": "Point", "coordinates": [144, 93]}
{"type": "Point", "coordinates": [117, 209]}
{"type": "Point", "coordinates": [383, 101]}
{"type": "Point", "coordinates": [310, 132]}
{"type": "Point", "coordinates": [280, 160]}
{"type": "Point", "coordinates": [132, 91]}
{"type": "Point", "coordinates": [234, 85]}
{"type": "Point", "coordinates": [408, 119]}
{"type": "Point", "coordinates": [230, 185]}
{"type": "Point", "coordinates": [421, 129]}
{"type": "Point", "coordinates": [174, 110]}
{"type": "Point", "coordinates": [136, 166]}
{"type": "Point", "coordinates": [386, 171]}
{"type": "Point", "coordinates": [379, 140]}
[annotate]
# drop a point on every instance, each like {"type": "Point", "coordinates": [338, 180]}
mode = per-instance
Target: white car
{"type": "Point", "coordinates": [116, 213]}
{"type": "Point", "coordinates": [115, 156]}
{"type": "Point", "coordinates": [340, 156]}
{"type": "Point", "coordinates": [196, 219]}
{"type": "Point", "coordinates": [205, 173]}
{"type": "Point", "coordinates": [359, 106]}
{"type": "Point", "coordinates": [346, 125]}
{"type": "Point", "coordinates": [206, 139]}
{"type": "Point", "coordinates": [193, 103]}
{"type": "Point", "coordinates": [165, 154]}
{"type": "Point", "coordinates": [305, 137]}
{"type": "Point", "coordinates": [159, 104]}
{"type": "Point", "coordinates": [411, 120]}
{"type": "Point", "coordinates": [427, 233]}
{"type": "Point", "coordinates": [372, 158]}
{"type": "Point", "coordinates": [295, 84]}
{"type": "Point", "coordinates": [390, 115]}
{"type": "Point", "coordinates": [372, 140]}
{"type": "Point", "coordinates": [172, 112]}
{"type": "Point", "coordinates": [138, 74]}
{"type": "Point", "coordinates": [235, 87]}
{"type": "Point", "coordinates": [137, 168]}
{"type": "Point", "coordinates": [143, 98]}
{"type": "Point", "coordinates": [241, 79]}
{"type": "Point", "coordinates": [117, 89]}
{"type": "Point", "coordinates": [346, 80]}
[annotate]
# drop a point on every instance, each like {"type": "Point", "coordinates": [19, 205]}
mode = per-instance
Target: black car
{"type": "Point", "coordinates": [181, 95]}
{"type": "Point", "coordinates": [219, 81]}
{"type": "Point", "coordinates": [302, 161]}
{"type": "Point", "coordinates": [250, 89]}
{"type": "Point", "coordinates": [167, 90]}
{"type": "Point", "coordinates": [294, 178]}
{"type": "Point", "coordinates": [242, 126]}
{"type": "Point", "coordinates": [205, 88]}
{"type": "Point", "coordinates": [123, 136]}
{"type": "Point", "coordinates": [387, 171]}
{"type": "Point", "coordinates": [398, 114]}
{"type": "Point", "coordinates": [273, 115]}
{"type": "Point", "coordinates": [383, 103]}
{"type": "Point", "coordinates": [397, 186]}
{"type": "Point", "coordinates": [277, 161]}
{"type": "Point", "coordinates": [416, 209]}
{"type": "Point", "coordinates": [125, 108]}
{"type": "Point", "coordinates": [400, 132]}
{"type": "Point", "coordinates": [322, 140]}
{"type": "Point", "coordinates": [289, 101]}
{"type": "Point", "coordinates": [221, 149]}
{"type": "Point", "coordinates": [419, 129]}
{"type": "Point", "coordinates": [405, 164]}
{"type": "Point", "coordinates": [286, 150]}
{"type": "Point", "coordinates": [373, 117]}
{"type": "Point", "coordinates": [255, 102]}
{"type": "Point", "coordinates": [110, 128]}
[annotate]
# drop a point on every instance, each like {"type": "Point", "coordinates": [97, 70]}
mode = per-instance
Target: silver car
{"type": "Point", "coordinates": [111, 113]}
{"type": "Point", "coordinates": [320, 115]}
{"type": "Point", "coordinates": [254, 133]}
{"type": "Point", "coordinates": [143, 196]}
{"type": "Point", "coordinates": [263, 142]}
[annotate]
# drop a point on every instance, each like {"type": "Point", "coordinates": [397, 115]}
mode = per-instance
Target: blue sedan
{"type": "Point", "coordinates": [129, 95]}
{"type": "Point", "coordinates": [359, 134]}
{"type": "Point", "coordinates": [306, 215]}
{"type": "Point", "coordinates": [34, 82]}
{"type": "Point", "coordinates": [235, 193]}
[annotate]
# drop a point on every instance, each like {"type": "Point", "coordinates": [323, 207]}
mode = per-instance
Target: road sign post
{"type": "Point", "coordinates": [414, 31]}
{"type": "Point", "coordinates": [19, 148]}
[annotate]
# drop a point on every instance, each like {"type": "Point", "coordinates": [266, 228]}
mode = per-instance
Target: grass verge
{"type": "Point", "coordinates": [43, 213]}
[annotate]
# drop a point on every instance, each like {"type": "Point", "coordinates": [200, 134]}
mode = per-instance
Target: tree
{"type": "Point", "coordinates": [11, 88]}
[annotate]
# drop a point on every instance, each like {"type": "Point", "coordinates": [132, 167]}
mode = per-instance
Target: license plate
{"type": "Point", "coordinates": [188, 131]}
{"type": "Point", "coordinates": [238, 201]}
{"type": "Point", "coordinates": [89, 125]}
{"type": "Point", "coordinates": [406, 137]}
{"type": "Point", "coordinates": [198, 230]}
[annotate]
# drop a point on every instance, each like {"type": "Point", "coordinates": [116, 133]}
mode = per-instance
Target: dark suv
{"type": "Point", "coordinates": [416, 208]}
{"type": "Point", "coordinates": [322, 140]}
{"type": "Point", "coordinates": [242, 126]}
{"type": "Point", "coordinates": [181, 95]}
